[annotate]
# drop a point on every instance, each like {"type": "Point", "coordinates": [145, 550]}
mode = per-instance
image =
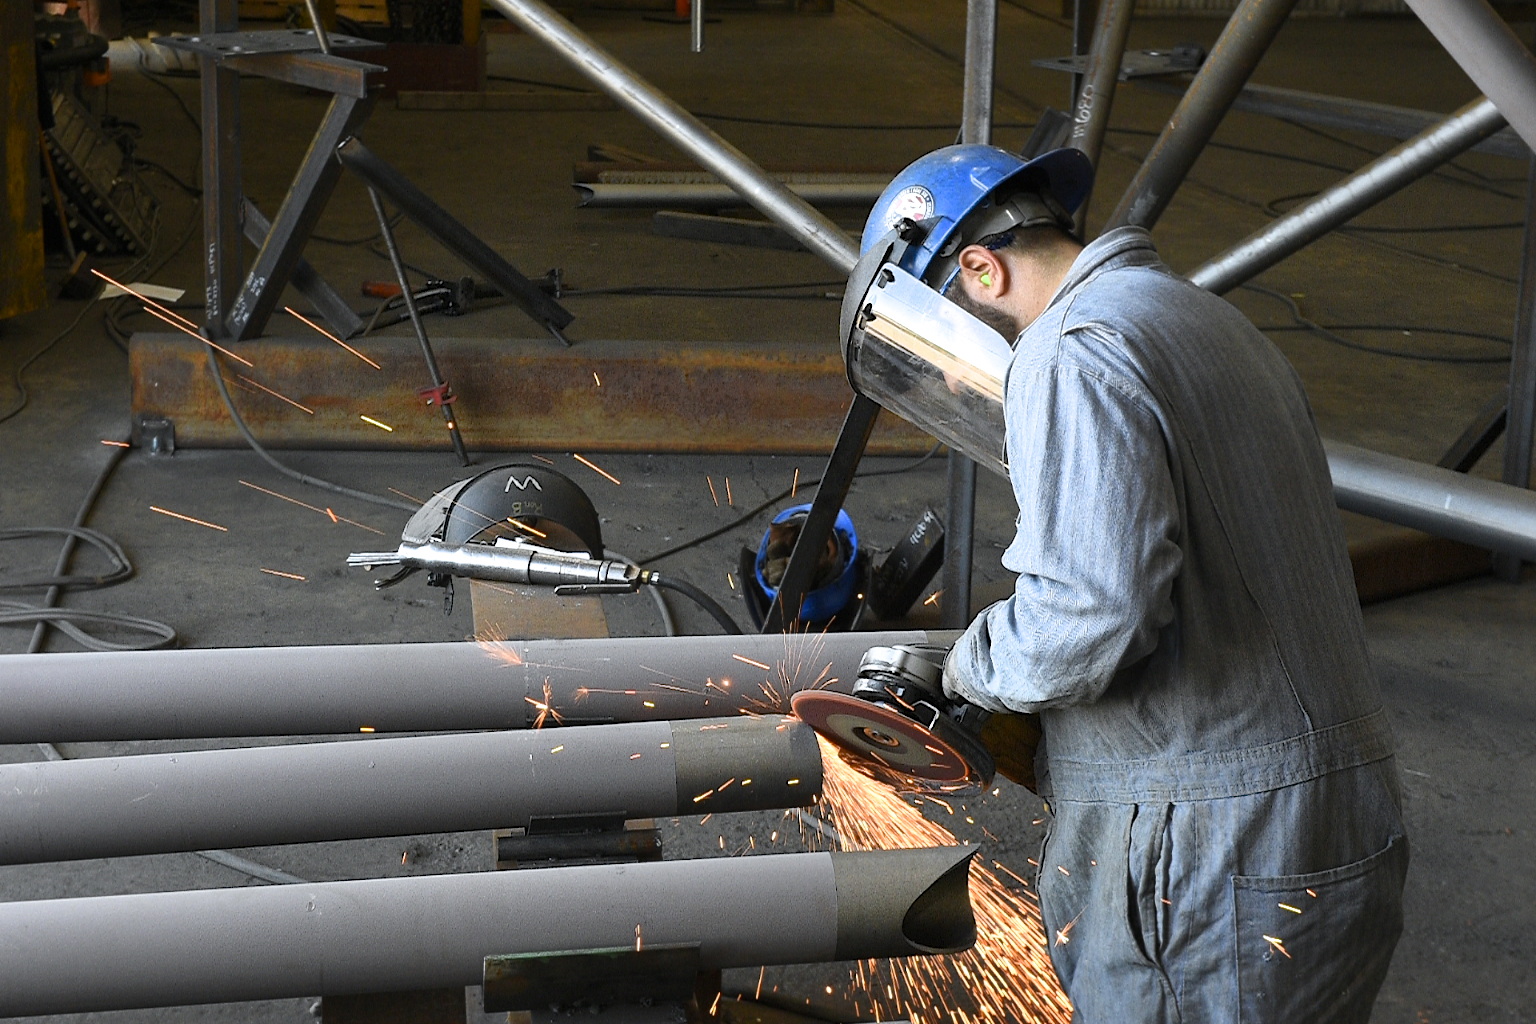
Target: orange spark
{"type": "Point", "coordinates": [218, 348]}
{"type": "Point", "coordinates": [1277, 944]}
{"type": "Point", "coordinates": [794, 485]}
{"type": "Point", "coordinates": [543, 459]}
{"type": "Point", "coordinates": [199, 522]}
{"type": "Point", "coordinates": [750, 661]}
{"type": "Point", "coordinates": [410, 497]}
{"type": "Point", "coordinates": [312, 508]}
{"type": "Point", "coordinates": [330, 513]}
{"type": "Point", "coordinates": [524, 526]}
{"type": "Point", "coordinates": [117, 444]}
{"type": "Point", "coordinates": [274, 394]}
{"type": "Point", "coordinates": [365, 728]}
{"type": "Point", "coordinates": [592, 466]}
{"type": "Point", "coordinates": [306, 320]}
{"type": "Point", "coordinates": [1287, 906]}
{"type": "Point", "coordinates": [597, 378]}
{"type": "Point", "coordinates": [377, 423]}
{"type": "Point", "coordinates": [284, 575]}
{"type": "Point", "coordinates": [711, 481]}
{"type": "Point", "coordinates": [728, 499]}
{"type": "Point", "coordinates": [933, 598]}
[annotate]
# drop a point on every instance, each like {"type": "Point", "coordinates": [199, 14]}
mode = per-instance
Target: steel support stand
{"type": "Point", "coordinates": [220, 88]}
{"type": "Point", "coordinates": [1090, 114]}
{"type": "Point", "coordinates": [1521, 416]}
{"type": "Point", "coordinates": [1250, 30]}
{"type": "Point", "coordinates": [439, 393]}
{"type": "Point", "coordinates": [341, 316]}
{"type": "Point", "coordinates": [1488, 50]}
{"type": "Point", "coordinates": [454, 236]}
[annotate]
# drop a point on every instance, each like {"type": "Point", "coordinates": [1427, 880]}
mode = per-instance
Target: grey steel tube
{"type": "Point", "coordinates": [1438, 501]}
{"type": "Point", "coordinates": [1233, 57]}
{"type": "Point", "coordinates": [312, 691]}
{"type": "Point", "coordinates": [1363, 189]}
{"type": "Point", "coordinates": [1490, 53]}
{"type": "Point", "coordinates": [682, 129]}
{"type": "Point", "coordinates": [696, 26]}
{"type": "Point", "coordinates": [711, 195]}
{"type": "Point", "coordinates": [404, 934]}
{"type": "Point", "coordinates": [314, 792]}
{"type": "Point", "coordinates": [1090, 117]}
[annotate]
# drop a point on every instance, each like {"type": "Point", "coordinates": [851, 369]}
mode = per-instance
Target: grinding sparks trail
{"type": "Point", "coordinates": [751, 661]}
{"type": "Point", "coordinates": [284, 575]}
{"type": "Point", "coordinates": [170, 316]}
{"type": "Point", "coordinates": [305, 320]}
{"type": "Point", "coordinates": [381, 426]}
{"type": "Point", "coordinates": [189, 519]}
{"type": "Point", "coordinates": [274, 394]}
{"type": "Point", "coordinates": [595, 468]}
{"type": "Point", "coordinates": [1007, 976]}
{"type": "Point", "coordinates": [313, 508]}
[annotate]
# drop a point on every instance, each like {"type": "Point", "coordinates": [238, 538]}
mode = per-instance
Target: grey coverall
{"type": "Point", "coordinates": [1226, 841]}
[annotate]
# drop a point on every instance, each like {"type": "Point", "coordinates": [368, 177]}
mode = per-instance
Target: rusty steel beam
{"type": "Point", "coordinates": [655, 397]}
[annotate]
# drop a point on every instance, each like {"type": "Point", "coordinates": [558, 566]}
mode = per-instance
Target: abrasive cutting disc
{"type": "Point", "coordinates": [883, 735]}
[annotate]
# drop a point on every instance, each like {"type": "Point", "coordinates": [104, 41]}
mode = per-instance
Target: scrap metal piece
{"type": "Point", "coordinates": [411, 934]}
{"type": "Point", "coordinates": [1176, 60]}
{"type": "Point", "coordinates": [220, 45]}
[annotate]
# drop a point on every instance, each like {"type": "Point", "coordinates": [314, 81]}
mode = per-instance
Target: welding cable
{"type": "Point", "coordinates": [120, 568]}
{"type": "Point", "coordinates": [753, 513]}
{"type": "Point", "coordinates": [668, 623]}
{"type": "Point", "coordinates": [1327, 332]}
{"type": "Point", "coordinates": [288, 471]}
{"type": "Point", "coordinates": [698, 597]}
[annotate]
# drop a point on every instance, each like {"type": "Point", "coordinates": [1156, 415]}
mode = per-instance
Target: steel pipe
{"type": "Point", "coordinates": [404, 934]}
{"type": "Point", "coordinates": [682, 129]}
{"type": "Point", "coordinates": [1490, 53]}
{"type": "Point", "coordinates": [1248, 33]}
{"type": "Point", "coordinates": [1090, 116]}
{"type": "Point", "coordinates": [713, 195]}
{"type": "Point", "coordinates": [1520, 404]}
{"type": "Point", "coordinates": [514, 684]}
{"type": "Point", "coordinates": [314, 792]}
{"type": "Point", "coordinates": [1438, 501]}
{"type": "Point", "coordinates": [1363, 189]}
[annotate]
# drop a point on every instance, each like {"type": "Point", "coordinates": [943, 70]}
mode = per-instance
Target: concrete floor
{"type": "Point", "coordinates": [1456, 664]}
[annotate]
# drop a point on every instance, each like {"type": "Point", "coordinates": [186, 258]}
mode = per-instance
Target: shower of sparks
{"type": "Point", "coordinates": [711, 481]}
{"type": "Point", "coordinates": [307, 321]}
{"type": "Point", "coordinates": [117, 444]}
{"type": "Point", "coordinates": [594, 468]}
{"type": "Point", "coordinates": [199, 522]}
{"type": "Point", "coordinates": [546, 708]}
{"type": "Point", "coordinates": [284, 575]}
{"type": "Point", "coordinates": [170, 316]}
{"type": "Point", "coordinates": [313, 508]}
{"type": "Point", "coordinates": [274, 394]}
{"type": "Point", "coordinates": [1007, 976]}
{"type": "Point", "coordinates": [794, 485]}
{"type": "Point", "coordinates": [377, 423]}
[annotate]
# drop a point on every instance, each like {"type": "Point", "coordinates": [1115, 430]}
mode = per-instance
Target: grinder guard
{"type": "Point", "coordinates": [924, 358]}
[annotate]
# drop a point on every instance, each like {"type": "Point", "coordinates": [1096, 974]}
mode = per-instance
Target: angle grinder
{"type": "Point", "coordinates": [898, 725]}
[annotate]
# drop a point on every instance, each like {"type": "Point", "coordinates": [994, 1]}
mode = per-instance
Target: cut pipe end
{"type": "Point", "coordinates": [903, 902]}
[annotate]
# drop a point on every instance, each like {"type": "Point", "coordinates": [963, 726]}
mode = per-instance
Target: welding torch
{"type": "Point", "coordinates": [509, 560]}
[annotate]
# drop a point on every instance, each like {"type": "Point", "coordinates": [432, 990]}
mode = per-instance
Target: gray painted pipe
{"type": "Point", "coordinates": [711, 195]}
{"type": "Point", "coordinates": [683, 130]}
{"type": "Point", "coordinates": [1490, 53]}
{"type": "Point", "coordinates": [1090, 119]}
{"type": "Point", "coordinates": [403, 934]}
{"type": "Point", "coordinates": [314, 691]}
{"type": "Point", "coordinates": [1234, 55]}
{"type": "Point", "coordinates": [1438, 501]}
{"type": "Point", "coordinates": [1368, 186]}
{"type": "Point", "coordinates": [306, 793]}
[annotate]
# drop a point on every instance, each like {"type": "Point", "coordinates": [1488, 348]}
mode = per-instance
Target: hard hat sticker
{"type": "Point", "coordinates": [913, 202]}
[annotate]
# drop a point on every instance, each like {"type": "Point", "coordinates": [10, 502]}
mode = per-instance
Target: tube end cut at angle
{"type": "Point", "coordinates": [903, 902]}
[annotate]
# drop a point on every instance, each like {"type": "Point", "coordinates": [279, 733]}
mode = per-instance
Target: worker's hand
{"type": "Point", "coordinates": [1010, 738]}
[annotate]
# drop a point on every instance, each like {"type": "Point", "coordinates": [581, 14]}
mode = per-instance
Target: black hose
{"type": "Point", "coordinates": [698, 597]}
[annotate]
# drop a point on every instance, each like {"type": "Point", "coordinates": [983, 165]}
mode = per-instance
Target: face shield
{"type": "Point", "coordinates": [924, 358]}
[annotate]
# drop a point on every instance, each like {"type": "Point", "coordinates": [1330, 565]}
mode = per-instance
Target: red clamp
{"type": "Point", "coordinates": [440, 395]}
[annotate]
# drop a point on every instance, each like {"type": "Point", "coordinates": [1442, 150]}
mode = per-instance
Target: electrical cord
{"type": "Point", "coordinates": [668, 623]}
{"type": "Point", "coordinates": [1327, 332]}
{"type": "Point", "coordinates": [758, 510]}
{"type": "Point", "coordinates": [699, 598]}
{"type": "Point", "coordinates": [120, 568]}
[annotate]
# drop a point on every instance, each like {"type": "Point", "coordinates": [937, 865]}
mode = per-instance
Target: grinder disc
{"type": "Point", "coordinates": [882, 735]}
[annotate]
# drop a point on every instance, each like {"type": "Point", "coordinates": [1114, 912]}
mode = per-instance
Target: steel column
{"type": "Point", "coordinates": [513, 684]}
{"type": "Point", "coordinates": [296, 218]}
{"type": "Point", "coordinates": [435, 931]}
{"type": "Point", "coordinates": [1521, 418]}
{"type": "Point", "coordinates": [1248, 33]}
{"type": "Point", "coordinates": [683, 130]}
{"type": "Point", "coordinates": [1387, 174]}
{"type": "Point", "coordinates": [1490, 53]}
{"type": "Point", "coordinates": [1090, 116]}
{"type": "Point", "coordinates": [316, 792]}
{"type": "Point", "coordinates": [1438, 501]}
{"type": "Point", "coordinates": [222, 193]}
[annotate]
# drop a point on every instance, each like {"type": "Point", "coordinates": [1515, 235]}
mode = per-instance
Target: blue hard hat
{"type": "Point", "coordinates": [824, 602]}
{"type": "Point", "coordinates": [944, 188]}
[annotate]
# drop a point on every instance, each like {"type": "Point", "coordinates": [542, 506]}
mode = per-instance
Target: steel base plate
{"type": "Point", "coordinates": [884, 736]}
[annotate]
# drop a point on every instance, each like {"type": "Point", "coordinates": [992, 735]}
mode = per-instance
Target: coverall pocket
{"type": "Point", "coordinates": [1316, 947]}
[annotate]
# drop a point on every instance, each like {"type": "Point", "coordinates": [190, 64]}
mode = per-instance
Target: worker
{"type": "Point", "coordinates": [1225, 840]}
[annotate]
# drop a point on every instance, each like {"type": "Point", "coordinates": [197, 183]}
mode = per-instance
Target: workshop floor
{"type": "Point", "coordinates": [1457, 664]}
